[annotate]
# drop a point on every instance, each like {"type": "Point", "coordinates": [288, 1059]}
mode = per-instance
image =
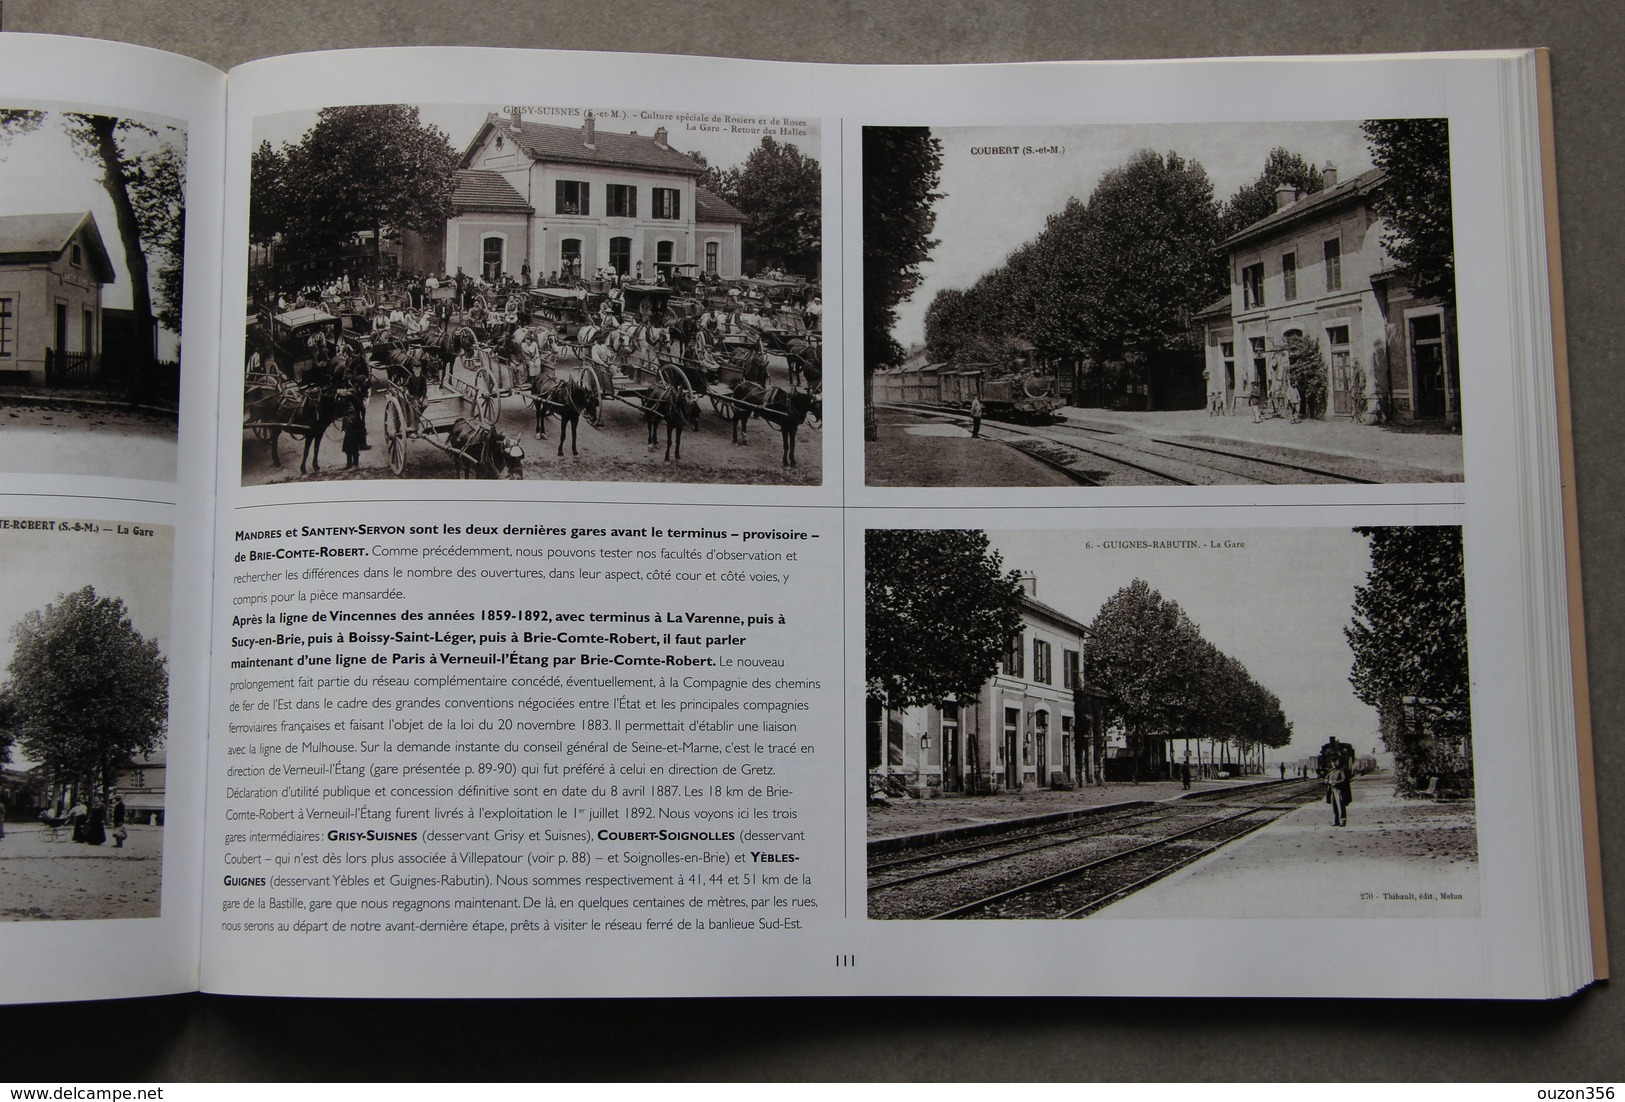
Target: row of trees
{"type": "Point", "coordinates": [941, 609]}
{"type": "Point", "coordinates": [1169, 682]}
{"type": "Point", "coordinates": [86, 692]}
{"type": "Point", "coordinates": [143, 172]}
{"type": "Point", "coordinates": [1409, 638]}
{"type": "Point", "coordinates": [1114, 281]}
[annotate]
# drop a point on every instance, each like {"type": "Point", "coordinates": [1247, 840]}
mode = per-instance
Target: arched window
{"type": "Point", "coordinates": [663, 252]}
{"type": "Point", "coordinates": [713, 253]}
{"type": "Point", "coordinates": [620, 254]}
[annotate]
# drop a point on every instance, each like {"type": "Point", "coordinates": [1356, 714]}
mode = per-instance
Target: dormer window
{"type": "Point", "coordinates": [501, 143]}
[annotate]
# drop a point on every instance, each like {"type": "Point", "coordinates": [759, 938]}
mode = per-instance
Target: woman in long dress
{"type": "Point", "coordinates": [96, 824]}
{"type": "Point", "coordinates": [77, 814]}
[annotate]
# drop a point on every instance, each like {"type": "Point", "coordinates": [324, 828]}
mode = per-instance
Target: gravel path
{"type": "Point", "coordinates": [51, 881]}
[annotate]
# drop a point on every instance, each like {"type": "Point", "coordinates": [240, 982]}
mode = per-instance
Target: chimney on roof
{"type": "Point", "coordinates": [1029, 584]}
{"type": "Point", "coordinates": [514, 117]}
{"type": "Point", "coordinates": [589, 129]}
{"type": "Point", "coordinates": [660, 137]}
{"type": "Point", "coordinates": [1285, 196]}
{"type": "Point", "coordinates": [1328, 176]}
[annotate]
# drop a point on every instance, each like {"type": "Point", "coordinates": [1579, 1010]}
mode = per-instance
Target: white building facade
{"type": "Point", "coordinates": [1316, 269]}
{"type": "Point", "coordinates": [1021, 732]}
{"type": "Point", "coordinates": [565, 199]}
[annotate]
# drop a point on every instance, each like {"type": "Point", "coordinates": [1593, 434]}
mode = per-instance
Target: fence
{"type": "Point", "coordinates": [146, 382]}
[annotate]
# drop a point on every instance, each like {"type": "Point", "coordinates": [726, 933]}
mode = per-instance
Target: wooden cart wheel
{"type": "Point", "coordinates": [395, 435]}
{"type": "Point", "coordinates": [487, 403]}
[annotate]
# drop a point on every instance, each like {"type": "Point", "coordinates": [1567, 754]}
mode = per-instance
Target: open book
{"type": "Point", "coordinates": [1088, 529]}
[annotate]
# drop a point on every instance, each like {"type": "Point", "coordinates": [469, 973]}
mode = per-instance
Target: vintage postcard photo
{"type": "Point", "coordinates": [92, 236]}
{"type": "Point", "coordinates": [1162, 305]}
{"type": "Point", "coordinates": [591, 293]}
{"type": "Point", "coordinates": [84, 714]}
{"type": "Point", "coordinates": [1258, 723]}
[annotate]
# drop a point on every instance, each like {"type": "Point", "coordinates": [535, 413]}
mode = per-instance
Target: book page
{"type": "Point", "coordinates": [110, 190]}
{"type": "Point", "coordinates": [1109, 550]}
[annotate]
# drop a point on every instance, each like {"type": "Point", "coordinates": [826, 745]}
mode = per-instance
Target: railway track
{"type": "Point", "coordinates": [1104, 457]}
{"type": "Point", "coordinates": [1073, 869]}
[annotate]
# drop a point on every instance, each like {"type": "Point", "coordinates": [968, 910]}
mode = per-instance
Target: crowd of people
{"type": "Point", "coordinates": [394, 299]}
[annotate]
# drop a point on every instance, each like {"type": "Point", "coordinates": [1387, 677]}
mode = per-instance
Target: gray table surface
{"type": "Point", "coordinates": [1572, 1041]}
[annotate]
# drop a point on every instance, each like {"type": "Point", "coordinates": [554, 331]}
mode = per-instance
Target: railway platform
{"type": "Point", "coordinates": [1397, 858]}
{"type": "Point", "coordinates": [1426, 449]}
{"type": "Point", "coordinates": [911, 817]}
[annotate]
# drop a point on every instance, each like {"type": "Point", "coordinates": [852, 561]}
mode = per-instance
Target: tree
{"type": "Point", "coordinates": [1256, 201]}
{"type": "Point", "coordinates": [88, 691]}
{"type": "Point", "coordinates": [1414, 202]}
{"type": "Point", "coordinates": [1150, 260]}
{"type": "Point", "coordinates": [902, 167]}
{"type": "Point", "coordinates": [364, 169]}
{"type": "Point", "coordinates": [158, 195]}
{"type": "Point", "coordinates": [1306, 369]}
{"type": "Point", "coordinates": [146, 183]}
{"type": "Point", "coordinates": [779, 189]}
{"type": "Point", "coordinates": [939, 613]}
{"type": "Point", "coordinates": [267, 194]}
{"type": "Point", "coordinates": [1409, 639]}
{"type": "Point", "coordinates": [1149, 655]}
{"type": "Point", "coordinates": [8, 726]}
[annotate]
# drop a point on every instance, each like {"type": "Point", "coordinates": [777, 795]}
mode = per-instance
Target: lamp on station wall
{"type": "Point", "coordinates": [925, 741]}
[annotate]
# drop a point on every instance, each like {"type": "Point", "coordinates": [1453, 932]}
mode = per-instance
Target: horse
{"type": "Point", "coordinates": [675, 406]}
{"type": "Point", "coordinates": [784, 409]}
{"type": "Point", "coordinates": [571, 398]}
{"type": "Point", "coordinates": [304, 412]}
{"type": "Point", "coordinates": [802, 359]}
{"type": "Point", "coordinates": [484, 451]}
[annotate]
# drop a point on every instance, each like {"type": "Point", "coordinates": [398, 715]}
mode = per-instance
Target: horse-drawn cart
{"type": "Point", "coordinates": [456, 413]}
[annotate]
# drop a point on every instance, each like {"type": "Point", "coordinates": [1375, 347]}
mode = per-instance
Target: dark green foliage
{"type": "Point", "coordinates": [87, 691]}
{"type": "Point", "coordinates": [1415, 201]}
{"type": "Point", "coordinates": [376, 168]}
{"type": "Point", "coordinates": [1306, 370]}
{"type": "Point", "coordinates": [1167, 681]}
{"type": "Point", "coordinates": [146, 182]}
{"type": "Point", "coordinates": [939, 611]}
{"type": "Point", "coordinates": [1115, 280]}
{"type": "Point", "coordinates": [901, 170]}
{"type": "Point", "coordinates": [1256, 201]}
{"type": "Point", "coordinates": [1409, 638]}
{"type": "Point", "coordinates": [780, 190]}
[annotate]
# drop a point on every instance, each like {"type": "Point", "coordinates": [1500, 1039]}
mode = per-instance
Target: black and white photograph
{"type": "Point", "coordinates": [1255, 723]}
{"type": "Point", "coordinates": [92, 237]}
{"type": "Point", "coordinates": [1215, 304]}
{"type": "Point", "coordinates": [546, 291]}
{"type": "Point", "coordinates": [84, 714]}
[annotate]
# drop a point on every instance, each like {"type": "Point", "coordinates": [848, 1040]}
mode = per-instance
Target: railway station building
{"type": "Point", "coordinates": [1030, 726]}
{"type": "Point", "coordinates": [1316, 269]}
{"type": "Point", "coordinates": [579, 199]}
{"type": "Point", "coordinates": [52, 271]}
